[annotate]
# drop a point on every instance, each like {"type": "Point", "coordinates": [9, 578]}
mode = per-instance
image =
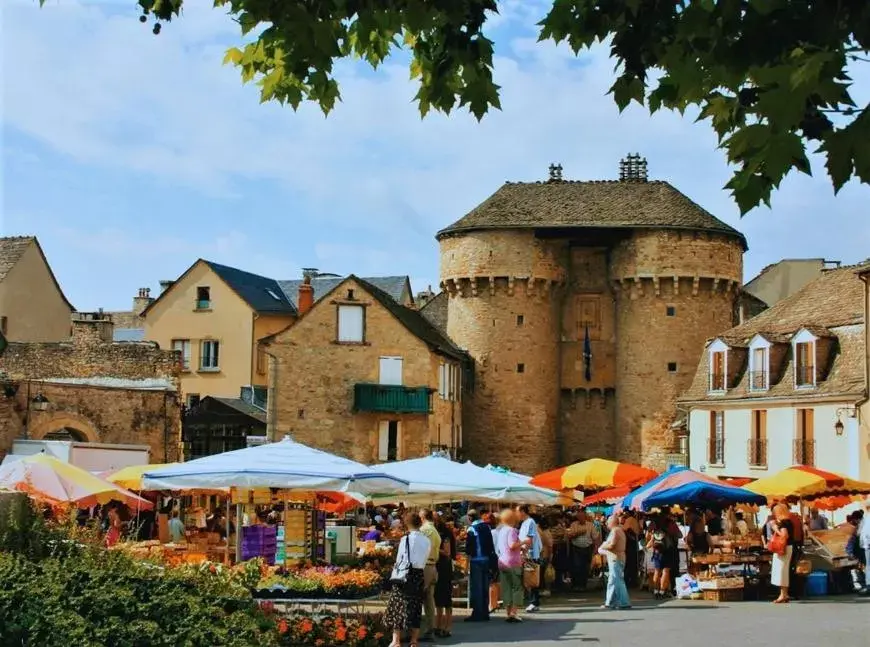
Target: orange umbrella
{"type": "Point", "coordinates": [594, 474]}
{"type": "Point", "coordinates": [607, 497]}
{"type": "Point", "coordinates": [802, 482]}
{"type": "Point", "coordinates": [337, 502]}
{"type": "Point", "coordinates": [52, 481]}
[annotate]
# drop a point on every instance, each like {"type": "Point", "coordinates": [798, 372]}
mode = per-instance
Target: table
{"type": "Point", "coordinates": [344, 607]}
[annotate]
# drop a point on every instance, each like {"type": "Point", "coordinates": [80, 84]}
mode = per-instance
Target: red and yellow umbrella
{"type": "Point", "coordinates": [801, 482]}
{"type": "Point", "coordinates": [594, 474]}
{"type": "Point", "coordinates": [52, 481]}
{"type": "Point", "coordinates": [607, 497]}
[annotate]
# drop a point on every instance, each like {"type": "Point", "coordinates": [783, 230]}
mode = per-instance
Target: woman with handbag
{"type": "Point", "coordinates": [781, 545]}
{"type": "Point", "coordinates": [510, 565]}
{"type": "Point", "coordinates": [405, 602]}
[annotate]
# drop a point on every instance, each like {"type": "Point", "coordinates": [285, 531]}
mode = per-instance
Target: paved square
{"type": "Point", "coordinates": [842, 621]}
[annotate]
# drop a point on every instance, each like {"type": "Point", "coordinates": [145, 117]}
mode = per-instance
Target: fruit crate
{"type": "Point", "coordinates": [724, 595]}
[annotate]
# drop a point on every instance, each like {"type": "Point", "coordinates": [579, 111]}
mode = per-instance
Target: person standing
{"type": "Point", "coordinates": [530, 538]}
{"type": "Point", "coordinates": [481, 562]}
{"type": "Point", "coordinates": [780, 568]}
{"type": "Point", "coordinates": [430, 572]}
{"type": "Point", "coordinates": [864, 541]}
{"type": "Point", "coordinates": [510, 565]}
{"type": "Point", "coordinates": [405, 602]}
{"type": "Point", "coordinates": [492, 520]}
{"type": "Point", "coordinates": [631, 527]}
{"type": "Point", "coordinates": [444, 585]}
{"type": "Point", "coordinates": [613, 549]}
{"type": "Point", "coordinates": [546, 554]}
{"type": "Point", "coordinates": [583, 538]}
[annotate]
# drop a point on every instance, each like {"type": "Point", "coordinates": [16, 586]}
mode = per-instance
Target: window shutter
{"type": "Point", "coordinates": [809, 424]}
{"type": "Point", "coordinates": [350, 323]}
{"type": "Point", "coordinates": [384, 441]}
{"type": "Point", "coordinates": [442, 380]}
{"type": "Point", "coordinates": [391, 371]}
{"type": "Point", "coordinates": [762, 426]}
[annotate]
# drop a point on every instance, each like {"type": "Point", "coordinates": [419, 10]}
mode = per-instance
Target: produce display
{"type": "Point", "coordinates": [319, 582]}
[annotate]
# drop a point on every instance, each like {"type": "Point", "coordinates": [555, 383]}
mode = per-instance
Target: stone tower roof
{"type": "Point", "coordinates": [597, 204]}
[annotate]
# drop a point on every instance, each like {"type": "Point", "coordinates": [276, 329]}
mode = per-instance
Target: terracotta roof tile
{"type": "Point", "coordinates": [608, 204]}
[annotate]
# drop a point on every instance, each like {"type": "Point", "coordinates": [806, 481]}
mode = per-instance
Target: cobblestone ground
{"type": "Point", "coordinates": [842, 621]}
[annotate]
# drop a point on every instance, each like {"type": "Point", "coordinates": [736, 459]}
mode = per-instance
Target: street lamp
{"type": "Point", "coordinates": [39, 402]}
{"type": "Point", "coordinates": [839, 427]}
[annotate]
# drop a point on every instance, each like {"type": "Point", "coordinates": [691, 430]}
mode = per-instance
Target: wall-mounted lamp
{"type": "Point", "coordinates": [39, 403]}
{"type": "Point", "coordinates": [839, 427]}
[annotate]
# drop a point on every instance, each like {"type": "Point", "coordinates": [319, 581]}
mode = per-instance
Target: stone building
{"type": "Point", "coordinates": [32, 304]}
{"type": "Point", "coordinates": [787, 387]}
{"type": "Point", "coordinates": [130, 324]}
{"type": "Point", "coordinates": [362, 375]}
{"type": "Point", "coordinates": [92, 389]}
{"type": "Point", "coordinates": [585, 306]}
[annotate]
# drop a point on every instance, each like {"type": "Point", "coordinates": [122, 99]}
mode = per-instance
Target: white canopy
{"type": "Point", "coordinates": [436, 479]}
{"type": "Point", "coordinates": [285, 464]}
{"type": "Point", "coordinates": [543, 496]}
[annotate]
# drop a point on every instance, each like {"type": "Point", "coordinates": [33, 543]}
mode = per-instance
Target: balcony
{"type": "Point", "coordinates": [717, 381]}
{"type": "Point", "coordinates": [804, 452]}
{"type": "Point", "coordinates": [757, 452]}
{"type": "Point", "coordinates": [386, 398]}
{"type": "Point", "coordinates": [805, 375]}
{"type": "Point", "coordinates": [758, 380]}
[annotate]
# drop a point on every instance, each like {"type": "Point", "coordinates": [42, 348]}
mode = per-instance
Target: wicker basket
{"type": "Point", "coordinates": [724, 595]}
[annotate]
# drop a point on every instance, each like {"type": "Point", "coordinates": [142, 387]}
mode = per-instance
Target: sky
{"type": "Point", "coordinates": [131, 155]}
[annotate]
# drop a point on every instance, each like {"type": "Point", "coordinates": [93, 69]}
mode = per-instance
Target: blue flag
{"type": "Point", "coordinates": [587, 356]}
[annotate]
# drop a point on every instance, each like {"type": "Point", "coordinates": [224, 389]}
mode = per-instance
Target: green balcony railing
{"type": "Point", "coordinates": [392, 399]}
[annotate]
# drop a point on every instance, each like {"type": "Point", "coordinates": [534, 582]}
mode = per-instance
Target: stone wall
{"type": "Point", "coordinates": [312, 382]}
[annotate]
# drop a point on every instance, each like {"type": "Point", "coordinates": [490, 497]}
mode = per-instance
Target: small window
{"type": "Point", "coordinates": [350, 296]}
{"type": "Point", "coordinates": [671, 311]}
{"type": "Point", "coordinates": [262, 362]}
{"type": "Point", "coordinates": [805, 370]}
{"type": "Point", "coordinates": [716, 453]}
{"type": "Point", "coordinates": [351, 324]}
{"type": "Point", "coordinates": [301, 414]}
{"type": "Point", "coordinates": [273, 295]}
{"type": "Point", "coordinates": [183, 346]}
{"type": "Point", "coordinates": [717, 371]}
{"type": "Point", "coordinates": [193, 400]}
{"type": "Point", "coordinates": [521, 368]}
{"type": "Point", "coordinates": [672, 367]}
{"type": "Point", "coordinates": [520, 320]}
{"type": "Point", "coordinates": [3, 324]}
{"type": "Point", "coordinates": [209, 355]}
{"type": "Point", "coordinates": [203, 298]}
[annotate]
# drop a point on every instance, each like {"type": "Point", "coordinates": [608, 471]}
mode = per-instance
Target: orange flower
{"type": "Point", "coordinates": [341, 634]}
{"type": "Point", "coordinates": [361, 633]}
{"type": "Point", "coordinates": [307, 626]}
{"type": "Point", "coordinates": [282, 626]}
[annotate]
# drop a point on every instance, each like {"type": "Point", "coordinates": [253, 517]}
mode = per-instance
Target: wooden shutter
{"type": "Point", "coordinates": [383, 440]}
{"type": "Point", "coordinates": [391, 371]}
{"type": "Point", "coordinates": [350, 323]}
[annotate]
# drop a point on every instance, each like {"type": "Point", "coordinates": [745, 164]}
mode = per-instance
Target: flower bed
{"type": "Point", "coordinates": [303, 630]}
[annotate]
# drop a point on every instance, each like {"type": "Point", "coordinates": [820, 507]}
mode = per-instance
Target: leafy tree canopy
{"type": "Point", "coordinates": [771, 76]}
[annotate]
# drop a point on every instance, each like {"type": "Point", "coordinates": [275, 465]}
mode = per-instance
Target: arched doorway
{"type": "Point", "coordinates": [64, 426]}
{"type": "Point", "coordinates": [66, 433]}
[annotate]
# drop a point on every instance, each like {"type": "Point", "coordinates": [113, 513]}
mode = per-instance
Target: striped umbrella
{"type": "Point", "coordinates": [680, 485]}
{"type": "Point", "coordinates": [802, 482]}
{"type": "Point", "coordinates": [607, 497]}
{"type": "Point", "coordinates": [593, 475]}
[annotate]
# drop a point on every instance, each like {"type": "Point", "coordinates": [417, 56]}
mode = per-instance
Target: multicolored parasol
{"type": "Point", "coordinates": [593, 475]}
{"type": "Point", "coordinates": [804, 483]}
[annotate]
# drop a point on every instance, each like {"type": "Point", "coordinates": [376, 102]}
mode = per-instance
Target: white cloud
{"type": "Point", "coordinates": [97, 86]}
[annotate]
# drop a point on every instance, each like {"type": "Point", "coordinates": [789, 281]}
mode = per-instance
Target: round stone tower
{"type": "Point", "coordinates": [504, 307]}
{"type": "Point", "coordinates": [585, 306]}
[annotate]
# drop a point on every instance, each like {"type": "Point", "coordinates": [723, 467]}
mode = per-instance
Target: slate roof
{"type": "Point", "coordinates": [242, 407]}
{"type": "Point", "coordinates": [261, 293]}
{"type": "Point", "coordinates": [12, 248]}
{"type": "Point", "coordinates": [435, 311]}
{"type": "Point", "coordinates": [415, 322]}
{"type": "Point", "coordinates": [598, 204]}
{"type": "Point", "coordinates": [395, 286]}
{"type": "Point", "coordinates": [830, 306]}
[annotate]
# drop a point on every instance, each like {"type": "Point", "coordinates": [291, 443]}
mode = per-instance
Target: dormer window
{"type": "Point", "coordinates": [203, 298]}
{"type": "Point", "coordinates": [718, 366]}
{"type": "Point", "coordinates": [804, 360]}
{"type": "Point", "coordinates": [759, 364]}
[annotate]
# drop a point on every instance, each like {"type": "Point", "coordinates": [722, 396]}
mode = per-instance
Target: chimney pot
{"type": "Point", "coordinates": [305, 298]}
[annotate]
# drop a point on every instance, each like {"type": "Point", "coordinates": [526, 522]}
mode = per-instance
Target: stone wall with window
{"type": "Point", "coordinates": [349, 341]}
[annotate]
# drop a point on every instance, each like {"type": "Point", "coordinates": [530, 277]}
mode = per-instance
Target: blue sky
{"type": "Point", "coordinates": [130, 155]}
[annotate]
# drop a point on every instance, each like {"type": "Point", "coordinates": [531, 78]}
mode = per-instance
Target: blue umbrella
{"type": "Point", "coordinates": [680, 485]}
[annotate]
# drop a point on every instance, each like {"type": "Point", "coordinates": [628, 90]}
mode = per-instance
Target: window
{"type": "Point", "coordinates": [520, 320]}
{"type": "Point", "coordinates": [672, 367]}
{"type": "Point", "coordinates": [262, 362]}
{"type": "Point", "coordinates": [805, 443]}
{"type": "Point", "coordinates": [758, 370]}
{"type": "Point", "coordinates": [671, 311]}
{"type": "Point", "coordinates": [521, 368]}
{"type": "Point", "coordinates": [717, 370]}
{"type": "Point", "coordinates": [805, 370]}
{"type": "Point", "coordinates": [717, 438]}
{"type": "Point", "coordinates": [193, 400]}
{"type": "Point", "coordinates": [449, 381]}
{"type": "Point", "coordinates": [389, 440]}
{"type": "Point", "coordinates": [758, 439]}
{"type": "Point", "coordinates": [390, 371]}
{"type": "Point", "coordinates": [301, 414]}
{"type": "Point", "coordinates": [183, 346]}
{"type": "Point", "coordinates": [209, 355]}
{"type": "Point", "coordinates": [203, 298]}
{"type": "Point", "coordinates": [351, 324]}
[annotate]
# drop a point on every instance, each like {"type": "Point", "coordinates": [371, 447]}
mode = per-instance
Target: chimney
{"type": "Point", "coordinates": [305, 299]}
{"type": "Point", "coordinates": [165, 285]}
{"type": "Point", "coordinates": [92, 328]}
{"type": "Point", "coordinates": [632, 168]}
{"type": "Point", "coordinates": [142, 301]}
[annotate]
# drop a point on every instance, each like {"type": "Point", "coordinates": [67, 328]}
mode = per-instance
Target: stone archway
{"type": "Point", "coordinates": [68, 424]}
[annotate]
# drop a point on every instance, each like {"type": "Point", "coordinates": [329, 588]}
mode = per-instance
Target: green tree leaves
{"type": "Point", "coordinates": [771, 76]}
